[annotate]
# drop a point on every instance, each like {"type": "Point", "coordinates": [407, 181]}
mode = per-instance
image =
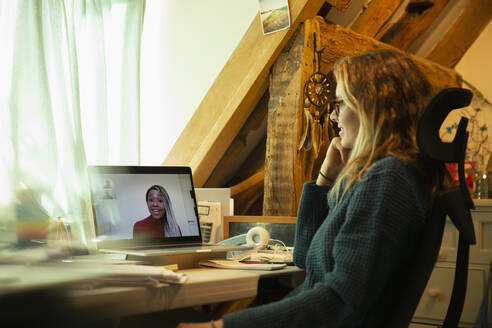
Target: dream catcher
{"type": "Point", "coordinates": [316, 105]}
{"type": "Point", "coordinates": [317, 86]}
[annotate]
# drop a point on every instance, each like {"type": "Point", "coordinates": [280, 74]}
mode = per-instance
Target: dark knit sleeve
{"type": "Point", "coordinates": [312, 211]}
{"type": "Point", "coordinates": [379, 236]}
{"type": "Point", "coordinates": [379, 225]}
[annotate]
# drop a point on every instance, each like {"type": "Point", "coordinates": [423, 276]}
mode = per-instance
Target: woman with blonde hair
{"type": "Point", "coordinates": [360, 222]}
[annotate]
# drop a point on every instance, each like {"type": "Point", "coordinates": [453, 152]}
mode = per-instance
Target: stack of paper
{"type": "Point", "coordinates": [132, 275]}
{"type": "Point", "coordinates": [210, 221]}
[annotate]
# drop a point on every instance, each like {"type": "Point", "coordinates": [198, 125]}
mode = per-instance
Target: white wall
{"type": "Point", "coordinates": [185, 45]}
{"type": "Point", "coordinates": [476, 64]}
{"type": "Point", "coordinates": [476, 68]}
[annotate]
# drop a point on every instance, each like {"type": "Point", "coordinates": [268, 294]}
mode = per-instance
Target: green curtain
{"type": "Point", "coordinates": [69, 95]}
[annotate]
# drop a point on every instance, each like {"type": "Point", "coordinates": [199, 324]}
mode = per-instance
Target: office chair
{"type": "Point", "coordinates": [455, 203]}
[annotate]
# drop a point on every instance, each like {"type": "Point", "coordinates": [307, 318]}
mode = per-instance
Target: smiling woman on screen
{"type": "Point", "coordinates": [161, 222]}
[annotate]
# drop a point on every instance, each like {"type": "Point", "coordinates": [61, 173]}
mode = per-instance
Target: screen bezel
{"type": "Point", "coordinates": [140, 243]}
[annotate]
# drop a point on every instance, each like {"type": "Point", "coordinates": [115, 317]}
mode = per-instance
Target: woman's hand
{"type": "Point", "coordinates": [335, 159]}
{"type": "Point", "coordinates": [218, 324]}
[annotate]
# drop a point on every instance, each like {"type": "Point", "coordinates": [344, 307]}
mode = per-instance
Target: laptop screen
{"type": "Point", "coordinates": [144, 204]}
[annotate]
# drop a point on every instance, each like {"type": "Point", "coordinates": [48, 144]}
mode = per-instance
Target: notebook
{"type": "Point", "coordinates": [147, 211]}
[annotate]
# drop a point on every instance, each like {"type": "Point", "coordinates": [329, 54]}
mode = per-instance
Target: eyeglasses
{"type": "Point", "coordinates": [335, 106]}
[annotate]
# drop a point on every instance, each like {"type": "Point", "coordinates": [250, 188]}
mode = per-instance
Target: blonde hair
{"type": "Point", "coordinates": [387, 91]}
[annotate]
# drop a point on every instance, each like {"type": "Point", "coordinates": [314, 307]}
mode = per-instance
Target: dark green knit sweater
{"type": "Point", "coordinates": [350, 252]}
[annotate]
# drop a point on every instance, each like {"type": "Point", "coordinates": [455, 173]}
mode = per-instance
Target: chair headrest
{"type": "Point", "coordinates": [427, 133]}
{"type": "Point", "coordinates": [431, 119]}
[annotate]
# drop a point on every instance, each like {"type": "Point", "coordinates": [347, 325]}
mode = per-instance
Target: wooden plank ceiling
{"type": "Point", "coordinates": [461, 35]}
{"type": "Point", "coordinates": [218, 122]}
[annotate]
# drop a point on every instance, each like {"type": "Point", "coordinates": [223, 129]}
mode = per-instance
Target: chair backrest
{"type": "Point", "coordinates": [455, 203]}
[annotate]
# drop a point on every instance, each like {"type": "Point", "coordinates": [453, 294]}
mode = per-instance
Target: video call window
{"type": "Point", "coordinates": [128, 206]}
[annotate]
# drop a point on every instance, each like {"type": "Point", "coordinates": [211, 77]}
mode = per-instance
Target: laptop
{"type": "Point", "coordinates": [147, 211]}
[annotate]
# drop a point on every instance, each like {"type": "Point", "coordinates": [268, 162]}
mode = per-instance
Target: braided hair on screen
{"type": "Point", "coordinates": [171, 228]}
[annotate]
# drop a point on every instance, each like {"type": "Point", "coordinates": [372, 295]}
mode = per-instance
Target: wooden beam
{"type": "Point", "coordinates": [375, 16]}
{"type": "Point", "coordinates": [342, 5]}
{"type": "Point", "coordinates": [466, 29]}
{"type": "Point", "coordinates": [233, 95]}
{"type": "Point", "coordinates": [350, 43]}
{"type": "Point", "coordinates": [412, 24]}
{"type": "Point", "coordinates": [323, 11]}
{"type": "Point", "coordinates": [252, 133]}
{"type": "Point", "coordinates": [253, 164]}
{"type": "Point", "coordinates": [247, 201]}
{"type": "Point", "coordinates": [247, 192]}
{"type": "Point", "coordinates": [281, 130]}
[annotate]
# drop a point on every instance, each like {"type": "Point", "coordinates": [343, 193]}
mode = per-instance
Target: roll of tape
{"type": "Point", "coordinates": [258, 237]}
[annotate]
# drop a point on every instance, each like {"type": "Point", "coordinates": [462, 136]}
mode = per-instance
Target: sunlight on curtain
{"type": "Point", "coordinates": [65, 66]}
{"type": "Point", "coordinates": [43, 161]}
{"type": "Point", "coordinates": [7, 23]}
{"type": "Point", "coordinates": [107, 40]}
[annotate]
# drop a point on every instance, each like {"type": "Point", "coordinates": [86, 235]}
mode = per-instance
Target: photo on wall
{"type": "Point", "coordinates": [274, 15]}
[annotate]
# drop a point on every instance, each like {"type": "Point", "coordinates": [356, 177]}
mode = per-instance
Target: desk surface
{"type": "Point", "coordinates": [204, 286]}
{"type": "Point", "coordinates": [25, 278]}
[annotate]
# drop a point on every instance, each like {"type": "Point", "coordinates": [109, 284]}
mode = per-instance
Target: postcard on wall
{"type": "Point", "coordinates": [274, 15]}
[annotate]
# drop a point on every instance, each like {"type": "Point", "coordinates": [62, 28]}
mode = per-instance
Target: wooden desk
{"type": "Point", "coordinates": [54, 291]}
{"type": "Point", "coordinates": [204, 286]}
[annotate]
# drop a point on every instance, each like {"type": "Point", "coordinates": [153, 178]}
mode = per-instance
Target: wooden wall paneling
{"type": "Point", "coordinates": [252, 132]}
{"type": "Point", "coordinates": [339, 42]}
{"type": "Point", "coordinates": [375, 16]}
{"type": "Point", "coordinates": [233, 95]}
{"type": "Point", "coordinates": [282, 130]}
{"type": "Point", "coordinates": [461, 35]}
{"type": "Point", "coordinates": [412, 24]}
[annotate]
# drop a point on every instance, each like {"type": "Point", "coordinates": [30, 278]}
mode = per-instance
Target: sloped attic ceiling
{"type": "Point", "coordinates": [244, 79]}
